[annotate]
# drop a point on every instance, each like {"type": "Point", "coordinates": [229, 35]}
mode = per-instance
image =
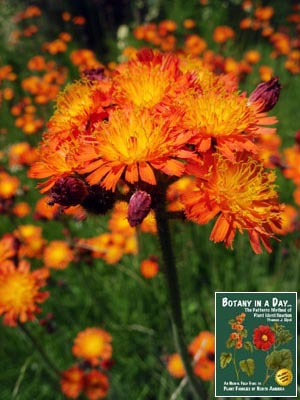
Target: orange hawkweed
{"type": "Point", "coordinates": [148, 142]}
{"type": "Point", "coordinates": [96, 385]}
{"type": "Point", "coordinates": [72, 382]}
{"type": "Point", "coordinates": [57, 255]}
{"type": "Point", "coordinates": [8, 185]}
{"type": "Point", "coordinates": [223, 33]}
{"type": "Point", "coordinates": [240, 194]}
{"type": "Point", "coordinates": [93, 345]}
{"type": "Point", "coordinates": [175, 366]}
{"type": "Point", "coordinates": [149, 267]}
{"type": "Point", "coordinates": [20, 292]}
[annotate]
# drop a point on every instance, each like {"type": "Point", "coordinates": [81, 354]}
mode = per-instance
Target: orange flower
{"type": "Point", "coordinates": [225, 118]}
{"type": "Point", "coordinates": [135, 143]}
{"type": "Point", "coordinates": [93, 345]}
{"type": "Point", "coordinates": [21, 209]}
{"type": "Point", "coordinates": [96, 385]}
{"type": "Point", "coordinates": [8, 246]}
{"type": "Point", "coordinates": [8, 185]}
{"type": "Point", "coordinates": [72, 382]}
{"type": "Point", "coordinates": [264, 13]}
{"type": "Point", "coordinates": [189, 23]}
{"type": "Point", "coordinates": [252, 56]}
{"type": "Point", "coordinates": [20, 292]}
{"type": "Point", "coordinates": [175, 366]}
{"type": "Point", "coordinates": [241, 194]}
{"type": "Point", "coordinates": [195, 45]}
{"type": "Point", "coordinates": [32, 242]}
{"type": "Point", "coordinates": [223, 33]}
{"type": "Point", "coordinates": [265, 72]}
{"type": "Point", "coordinates": [21, 154]}
{"type": "Point", "coordinates": [57, 255]}
{"type": "Point", "coordinates": [149, 267]}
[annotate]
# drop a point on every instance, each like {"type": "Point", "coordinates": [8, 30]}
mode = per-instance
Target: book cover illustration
{"type": "Point", "coordinates": [256, 344]}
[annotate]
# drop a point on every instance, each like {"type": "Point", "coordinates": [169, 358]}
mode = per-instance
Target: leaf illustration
{"type": "Point", "coordinates": [279, 359]}
{"type": "Point", "coordinates": [248, 346]}
{"type": "Point", "coordinates": [230, 343]}
{"type": "Point", "coordinates": [283, 336]}
{"type": "Point", "coordinates": [248, 366]}
{"type": "Point", "coordinates": [225, 359]}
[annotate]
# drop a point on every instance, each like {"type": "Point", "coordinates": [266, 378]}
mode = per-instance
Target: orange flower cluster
{"type": "Point", "coordinates": [236, 337]}
{"type": "Point", "coordinates": [284, 43]}
{"type": "Point", "coordinates": [202, 351]}
{"type": "Point", "coordinates": [94, 384]}
{"type": "Point", "coordinates": [93, 345]}
{"type": "Point", "coordinates": [157, 118]}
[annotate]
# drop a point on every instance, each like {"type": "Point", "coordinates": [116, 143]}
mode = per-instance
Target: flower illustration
{"type": "Point", "coordinates": [263, 337]}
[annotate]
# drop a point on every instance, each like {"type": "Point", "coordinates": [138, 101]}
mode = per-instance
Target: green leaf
{"type": "Point", "coordinates": [225, 359]}
{"type": "Point", "coordinates": [244, 333]}
{"type": "Point", "coordinates": [247, 366]}
{"type": "Point", "coordinates": [248, 346]}
{"type": "Point", "coordinates": [230, 343]}
{"type": "Point", "coordinates": [279, 359]}
{"type": "Point", "coordinates": [283, 336]}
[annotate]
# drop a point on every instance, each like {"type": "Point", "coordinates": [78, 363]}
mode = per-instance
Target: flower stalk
{"type": "Point", "coordinates": [49, 363]}
{"type": "Point", "coordinates": [171, 277]}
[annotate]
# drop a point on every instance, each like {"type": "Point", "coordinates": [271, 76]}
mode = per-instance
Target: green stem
{"type": "Point", "coordinates": [51, 366]}
{"type": "Point", "coordinates": [235, 366]}
{"type": "Point", "coordinates": [172, 282]}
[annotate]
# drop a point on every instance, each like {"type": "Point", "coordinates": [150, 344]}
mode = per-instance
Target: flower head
{"type": "Point", "coordinates": [57, 255]}
{"type": "Point", "coordinates": [240, 194]}
{"type": "Point", "coordinates": [96, 385]}
{"type": "Point", "coordinates": [263, 337]}
{"type": "Point", "coordinates": [72, 382]}
{"type": "Point", "coordinates": [93, 345]}
{"type": "Point", "coordinates": [20, 292]}
{"type": "Point", "coordinates": [135, 143]}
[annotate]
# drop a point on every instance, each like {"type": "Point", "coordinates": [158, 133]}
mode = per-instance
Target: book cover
{"type": "Point", "coordinates": [256, 344]}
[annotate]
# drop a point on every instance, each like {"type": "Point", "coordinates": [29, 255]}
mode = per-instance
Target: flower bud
{"type": "Point", "coordinates": [266, 93]}
{"type": "Point", "coordinates": [98, 200]}
{"type": "Point", "coordinates": [94, 74]}
{"type": "Point", "coordinates": [138, 207]}
{"type": "Point", "coordinates": [68, 191]}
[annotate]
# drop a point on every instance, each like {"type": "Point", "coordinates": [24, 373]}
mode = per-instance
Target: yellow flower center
{"type": "Point", "coordinates": [142, 138]}
{"type": "Point", "coordinates": [219, 114]}
{"type": "Point", "coordinates": [264, 338]}
{"type": "Point", "coordinates": [144, 85]}
{"type": "Point", "coordinates": [92, 345]}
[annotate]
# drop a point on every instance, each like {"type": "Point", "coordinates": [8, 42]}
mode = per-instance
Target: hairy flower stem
{"type": "Point", "coordinates": [171, 277]}
{"type": "Point", "coordinates": [50, 365]}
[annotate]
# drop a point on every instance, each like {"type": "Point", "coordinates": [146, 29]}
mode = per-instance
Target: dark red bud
{"type": "Point", "coordinates": [68, 191]}
{"type": "Point", "coordinates": [94, 74]}
{"type": "Point", "coordinates": [266, 93]}
{"type": "Point", "coordinates": [138, 207]}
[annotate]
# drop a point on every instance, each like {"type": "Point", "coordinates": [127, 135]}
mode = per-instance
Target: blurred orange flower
{"type": "Point", "coordinates": [93, 345]}
{"type": "Point", "coordinates": [57, 255]}
{"type": "Point", "coordinates": [96, 385]}
{"type": "Point", "coordinates": [20, 292]}
{"type": "Point", "coordinates": [149, 267]}
{"type": "Point", "coordinates": [72, 382]}
{"type": "Point", "coordinates": [222, 34]}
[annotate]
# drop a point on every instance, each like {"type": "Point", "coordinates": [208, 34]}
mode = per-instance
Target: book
{"type": "Point", "coordinates": [256, 344]}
